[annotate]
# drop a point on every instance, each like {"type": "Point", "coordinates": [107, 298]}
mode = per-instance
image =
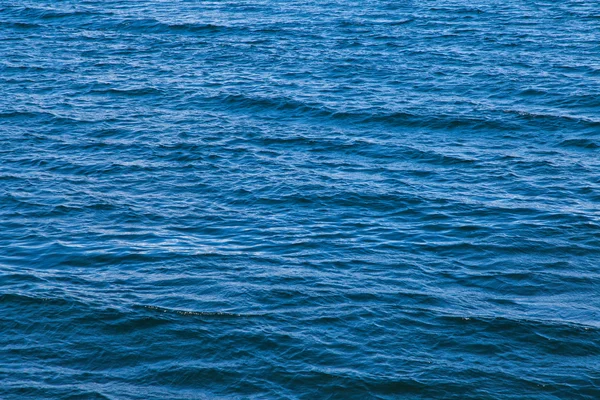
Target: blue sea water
{"type": "Point", "coordinates": [300, 199]}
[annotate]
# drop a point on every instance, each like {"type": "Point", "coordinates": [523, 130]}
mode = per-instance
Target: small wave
{"type": "Point", "coordinates": [580, 143]}
{"type": "Point", "coordinates": [45, 13]}
{"type": "Point", "coordinates": [22, 114]}
{"type": "Point", "coordinates": [557, 118]}
{"type": "Point", "coordinates": [533, 92]}
{"type": "Point", "coordinates": [154, 26]}
{"type": "Point", "coordinates": [19, 25]}
{"type": "Point", "coordinates": [30, 300]}
{"type": "Point", "coordinates": [43, 116]}
{"type": "Point", "coordinates": [401, 22]}
{"type": "Point", "coordinates": [22, 278]}
{"type": "Point", "coordinates": [132, 92]}
{"type": "Point", "coordinates": [221, 314]}
{"type": "Point", "coordinates": [51, 14]}
{"type": "Point", "coordinates": [296, 109]}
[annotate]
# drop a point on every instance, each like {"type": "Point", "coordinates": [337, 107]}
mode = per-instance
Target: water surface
{"type": "Point", "coordinates": [299, 199]}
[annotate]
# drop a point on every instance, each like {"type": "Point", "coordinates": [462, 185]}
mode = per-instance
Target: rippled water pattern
{"type": "Point", "coordinates": [300, 199]}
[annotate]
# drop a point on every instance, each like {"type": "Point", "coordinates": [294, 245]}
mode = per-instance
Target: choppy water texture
{"type": "Point", "coordinates": [300, 199]}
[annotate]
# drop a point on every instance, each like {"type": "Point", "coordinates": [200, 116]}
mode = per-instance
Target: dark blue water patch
{"type": "Point", "coordinates": [299, 200]}
{"type": "Point", "coordinates": [584, 143]}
